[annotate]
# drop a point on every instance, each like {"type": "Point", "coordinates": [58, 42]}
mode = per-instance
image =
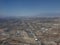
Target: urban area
{"type": "Point", "coordinates": [30, 31]}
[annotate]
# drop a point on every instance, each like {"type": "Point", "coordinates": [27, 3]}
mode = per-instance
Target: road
{"type": "Point", "coordinates": [35, 37]}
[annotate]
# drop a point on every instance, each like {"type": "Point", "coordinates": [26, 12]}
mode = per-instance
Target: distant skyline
{"type": "Point", "coordinates": [29, 8]}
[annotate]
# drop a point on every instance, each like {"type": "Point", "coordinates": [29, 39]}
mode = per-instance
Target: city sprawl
{"type": "Point", "coordinates": [30, 31]}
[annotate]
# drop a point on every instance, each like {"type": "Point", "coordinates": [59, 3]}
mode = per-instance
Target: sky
{"type": "Point", "coordinates": [29, 8]}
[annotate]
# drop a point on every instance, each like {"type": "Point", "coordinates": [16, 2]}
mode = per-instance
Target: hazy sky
{"type": "Point", "coordinates": [28, 7]}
